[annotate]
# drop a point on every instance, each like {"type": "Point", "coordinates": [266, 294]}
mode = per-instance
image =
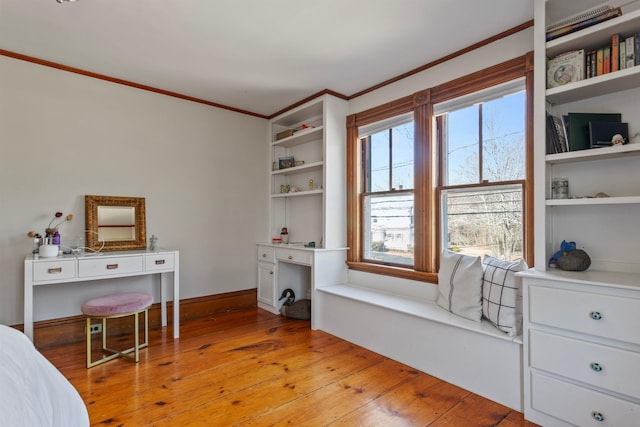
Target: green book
{"type": "Point", "coordinates": [579, 127]}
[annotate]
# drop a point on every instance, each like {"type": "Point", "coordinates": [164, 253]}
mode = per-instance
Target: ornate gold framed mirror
{"type": "Point", "coordinates": [115, 223]}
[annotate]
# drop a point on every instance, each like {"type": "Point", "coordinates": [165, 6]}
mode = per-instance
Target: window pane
{"type": "Point", "coordinates": [503, 138]}
{"type": "Point", "coordinates": [462, 146]}
{"type": "Point", "coordinates": [488, 221]}
{"type": "Point", "coordinates": [379, 158]}
{"type": "Point", "coordinates": [402, 156]}
{"type": "Point", "coordinates": [388, 230]}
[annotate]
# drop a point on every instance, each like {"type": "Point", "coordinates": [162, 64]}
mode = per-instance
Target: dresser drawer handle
{"type": "Point", "coordinates": [112, 266]}
{"type": "Point", "coordinates": [595, 315]}
{"type": "Point", "coordinates": [264, 255]}
{"type": "Point", "coordinates": [596, 367]}
{"type": "Point", "coordinates": [54, 270]}
{"type": "Point", "coordinates": [159, 261]}
{"type": "Point", "coordinates": [290, 257]}
{"type": "Point", "coordinates": [597, 416]}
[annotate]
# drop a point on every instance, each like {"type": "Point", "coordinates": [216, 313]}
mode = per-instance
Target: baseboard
{"type": "Point", "coordinates": [66, 330]}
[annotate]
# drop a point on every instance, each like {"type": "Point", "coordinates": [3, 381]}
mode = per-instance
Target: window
{"type": "Point", "coordinates": [388, 195]}
{"type": "Point", "coordinates": [448, 167]}
{"type": "Point", "coordinates": [482, 144]}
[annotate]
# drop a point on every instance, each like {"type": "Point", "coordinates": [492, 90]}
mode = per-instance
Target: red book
{"type": "Point", "coordinates": [615, 52]}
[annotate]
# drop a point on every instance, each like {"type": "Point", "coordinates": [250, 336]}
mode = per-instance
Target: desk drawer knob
{"type": "Point", "coordinates": [596, 367]}
{"type": "Point", "coordinates": [595, 315]}
{"type": "Point", "coordinates": [159, 261]}
{"type": "Point", "coordinates": [54, 270]}
{"type": "Point", "coordinates": [112, 266]}
{"type": "Point", "coordinates": [290, 257]}
{"type": "Point", "coordinates": [264, 255]}
{"type": "Point", "coordinates": [598, 416]}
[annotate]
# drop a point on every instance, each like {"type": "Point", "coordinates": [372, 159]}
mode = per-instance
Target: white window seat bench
{"type": "Point", "coordinates": [417, 332]}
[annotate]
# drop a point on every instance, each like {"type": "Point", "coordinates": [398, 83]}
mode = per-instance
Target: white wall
{"type": "Point", "coordinates": [201, 170]}
{"type": "Point", "coordinates": [487, 56]}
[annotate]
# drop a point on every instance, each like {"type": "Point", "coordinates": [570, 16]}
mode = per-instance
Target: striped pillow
{"type": "Point", "coordinates": [460, 285]}
{"type": "Point", "coordinates": [502, 294]}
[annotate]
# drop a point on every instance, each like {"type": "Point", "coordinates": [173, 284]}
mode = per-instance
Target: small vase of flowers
{"type": "Point", "coordinates": [49, 245]}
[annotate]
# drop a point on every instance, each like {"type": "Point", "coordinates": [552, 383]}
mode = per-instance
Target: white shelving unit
{"type": "Point", "coordinates": [580, 346]}
{"type": "Point", "coordinates": [601, 226]}
{"type": "Point", "coordinates": [314, 208]}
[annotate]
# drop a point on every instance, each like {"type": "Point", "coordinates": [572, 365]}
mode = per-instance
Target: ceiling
{"type": "Point", "coordinates": [258, 56]}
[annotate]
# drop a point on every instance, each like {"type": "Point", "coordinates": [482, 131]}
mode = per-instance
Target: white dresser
{"type": "Point", "coordinates": [581, 348]}
{"type": "Point", "coordinates": [109, 265]}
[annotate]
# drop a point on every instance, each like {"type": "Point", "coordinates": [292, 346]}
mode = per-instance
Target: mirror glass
{"type": "Point", "coordinates": [115, 223]}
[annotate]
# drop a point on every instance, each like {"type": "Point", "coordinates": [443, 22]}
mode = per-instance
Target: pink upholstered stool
{"type": "Point", "coordinates": [111, 307]}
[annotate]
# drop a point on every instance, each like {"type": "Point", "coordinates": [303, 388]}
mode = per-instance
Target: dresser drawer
{"type": "Point", "coordinates": [601, 315]}
{"type": "Point", "coordinates": [580, 406]}
{"type": "Point", "coordinates": [266, 254]}
{"type": "Point", "coordinates": [90, 267]}
{"type": "Point", "coordinates": [298, 257]}
{"type": "Point", "coordinates": [158, 262]}
{"type": "Point", "coordinates": [605, 367]}
{"type": "Point", "coordinates": [54, 270]}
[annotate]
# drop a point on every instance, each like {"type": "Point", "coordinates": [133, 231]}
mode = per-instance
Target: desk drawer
{"type": "Point", "coordinates": [158, 262]}
{"type": "Point", "coordinates": [266, 254]}
{"type": "Point", "coordinates": [291, 255]}
{"type": "Point", "coordinates": [605, 367]}
{"type": "Point", "coordinates": [109, 266]}
{"type": "Point", "coordinates": [601, 315]}
{"type": "Point", "coordinates": [54, 270]}
{"type": "Point", "coordinates": [580, 406]}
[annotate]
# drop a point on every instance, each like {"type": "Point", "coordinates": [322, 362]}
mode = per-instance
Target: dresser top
{"type": "Point", "coordinates": [588, 277]}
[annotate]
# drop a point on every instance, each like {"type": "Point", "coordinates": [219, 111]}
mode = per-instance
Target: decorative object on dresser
{"type": "Point", "coordinates": [115, 223]}
{"type": "Point", "coordinates": [49, 245]}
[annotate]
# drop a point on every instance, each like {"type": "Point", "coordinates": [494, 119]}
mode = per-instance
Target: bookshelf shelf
{"type": "Point", "coordinates": [595, 36]}
{"type": "Point", "coordinates": [594, 154]}
{"type": "Point", "coordinates": [300, 137]}
{"type": "Point", "coordinates": [626, 200]}
{"type": "Point", "coordinates": [310, 167]}
{"type": "Point", "coordinates": [607, 83]}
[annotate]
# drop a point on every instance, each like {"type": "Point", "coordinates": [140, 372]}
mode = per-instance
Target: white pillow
{"type": "Point", "coordinates": [502, 294]}
{"type": "Point", "coordinates": [460, 285]}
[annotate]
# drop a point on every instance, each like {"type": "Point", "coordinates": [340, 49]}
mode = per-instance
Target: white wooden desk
{"type": "Point", "coordinates": [110, 265]}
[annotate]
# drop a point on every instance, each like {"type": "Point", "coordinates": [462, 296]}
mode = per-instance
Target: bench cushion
{"type": "Point", "coordinates": [115, 304]}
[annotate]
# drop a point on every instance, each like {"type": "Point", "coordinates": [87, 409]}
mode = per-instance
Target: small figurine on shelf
{"type": "Point", "coordinates": [152, 242]}
{"type": "Point", "coordinates": [284, 235]}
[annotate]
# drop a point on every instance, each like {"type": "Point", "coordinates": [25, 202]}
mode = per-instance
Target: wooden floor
{"type": "Point", "coordinates": [252, 368]}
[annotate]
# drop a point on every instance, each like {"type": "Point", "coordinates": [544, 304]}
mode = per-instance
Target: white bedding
{"type": "Point", "coordinates": [33, 392]}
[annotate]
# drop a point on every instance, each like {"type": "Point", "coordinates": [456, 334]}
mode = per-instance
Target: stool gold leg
{"type": "Point", "coordinates": [136, 335]}
{"type": "Point", "coordinates": [88, 334]}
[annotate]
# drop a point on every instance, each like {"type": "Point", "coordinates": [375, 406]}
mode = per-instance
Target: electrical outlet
{"type": "Point", "coordinates": [96, 329]}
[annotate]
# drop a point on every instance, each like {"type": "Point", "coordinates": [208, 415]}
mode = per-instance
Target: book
{"type": "Point", "coordinates": [615, 52]}
{"type": "Point", "coordinates": [587, 68]}
{"type": "Point", "coordinates": [565, 68]}
{"type": "Point", "coordinates": [594, 63]}
{"type": "Point", "coordinates": [606, 60]}
{"type": "Point", "coordinates": [588, 22]}
{"type": "Point", "coordinates": [579, 17]}
{"type": "Point", "coordinates": [637, 50]}
{"type": "Point", "coordinates": [630, 52]}
{"type": "Point", "coordinates": [605, 134]}
{"type": "Point", "coordinates": [579, 127]}
{"type": "Point", "coordinates": [561, 133]}
{"type": "Point", "coordinates": [600, 62]}
{"type": "Point", "coordinates": [623, 54]}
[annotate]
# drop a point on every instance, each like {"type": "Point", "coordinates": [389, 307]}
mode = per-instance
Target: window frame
{"type": "Point", "coordinates": [427, 172]}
